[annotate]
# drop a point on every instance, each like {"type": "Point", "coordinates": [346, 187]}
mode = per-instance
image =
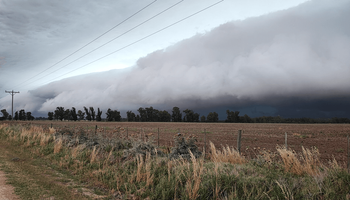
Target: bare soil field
{"type": "Point", "coordinates": [329, 139]}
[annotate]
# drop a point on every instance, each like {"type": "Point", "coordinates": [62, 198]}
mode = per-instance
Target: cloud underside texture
{"type": "Point", "coordinates": [296, 61]}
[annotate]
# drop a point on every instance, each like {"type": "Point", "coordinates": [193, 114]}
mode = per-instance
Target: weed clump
{"type": "Point", "coordinates": [184, 147]}
{"type": "Point", "coordinates": [72, 139]}
{"type": "Point", "coordinates": [141, 148]}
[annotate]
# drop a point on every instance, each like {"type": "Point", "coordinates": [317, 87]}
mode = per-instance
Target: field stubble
{"type": "Point", "coordinates": [329, 139]}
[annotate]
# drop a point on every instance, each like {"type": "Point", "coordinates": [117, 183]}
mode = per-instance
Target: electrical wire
{"type": "Point", "coordinates": [124, 33]}
{"type": "Point", "coordinates": [139, 40]}
{"type": "Point", "coordinates": [120, 23]}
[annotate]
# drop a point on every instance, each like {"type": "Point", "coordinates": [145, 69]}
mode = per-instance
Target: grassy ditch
{"type": "Point", "coordinates": [124, 168]}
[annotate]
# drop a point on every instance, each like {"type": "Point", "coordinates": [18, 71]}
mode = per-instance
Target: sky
{"type": "Point", "coordinates": [286, 58]}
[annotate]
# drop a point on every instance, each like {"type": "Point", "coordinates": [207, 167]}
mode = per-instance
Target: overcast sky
{"type": "Point", "coordinates": [288, 58]}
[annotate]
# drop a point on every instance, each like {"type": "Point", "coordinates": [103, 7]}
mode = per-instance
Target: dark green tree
{"type": "Point", "coordinates": [92, 113]}
{"type": "Point", "coordinates": [5, 114]}
{"type": "Point", "coordinates": [164, 116]}
{"type": "Point", "coordinates": [22, 115]}
{"type": "Point", "coordinates": [213, 117]}
{"type": "Point", "coordinates": [143, 114]}
{"type": "Point", "coordinates": [195, 117]}
{"type": "Point", "coordinates": [246, 119]}
{"type": "Point", "coordinates": [137, 118]}
{"type": "Point", "coordinates": [81, 115]}
{"type": "Point", "coordinates": [59, 113]}
{"type": "Point", "coordinates": [98, 115]}
{"type": "Point", "coordinates": [176, 115]}
{"type": "Point", "coordinates": [232, 116]}
{"type": "Point", "coordinates": [16, 116]}
{"type": "Point", "coordinates": [29, 116]}
{"type": "Point", "coordinates": [88, 114]}
{"type": "Point", "coordinates": [67, 115]}
{"type": "Point", "coordinates": [203, 118]}
{"type": "Point", "coordinates": [190, 116]}
{"type": "Point", "coordinates": [152, 114]}
{"type": "Point", "coordinates": [50, 115]}
{"type": "Point", "coordinates": [73, 113]}
{"type": "Point", "coordinates": [130, 116]}
{"type": "Point", "coordinates": [113, 115]}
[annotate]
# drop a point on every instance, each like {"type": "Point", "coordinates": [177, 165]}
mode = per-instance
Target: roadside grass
{"type": "Point", "coordinates": [226, 174]}
{"type": "Point", "coordinates": [30, 176]}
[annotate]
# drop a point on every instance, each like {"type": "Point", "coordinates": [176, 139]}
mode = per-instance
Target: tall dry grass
{"type": "Point", "coordinates": [77, 150]}
{"type": "Point", "coordinates": [307, 162]}
{"type": "Point", "coordinates": [227, 154]}
{"type": "Point", "coordinates": [58, 146]}
{"type": "Point", "coordinates": [193, 182]}
{"type": "Point", "coordinates": [94, 154]}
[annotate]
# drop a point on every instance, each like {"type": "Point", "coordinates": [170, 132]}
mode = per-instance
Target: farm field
{"type": "Point", "coordinates": [329, 139]}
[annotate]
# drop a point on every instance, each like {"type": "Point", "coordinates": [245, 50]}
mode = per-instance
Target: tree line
{"type": "Point", "coordinates": [150, 114]}
{"type": "Point", "coordinates": [19, 115]}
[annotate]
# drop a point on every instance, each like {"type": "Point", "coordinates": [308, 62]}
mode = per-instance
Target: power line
{"type": "Point", "coordinates": [90, 42]}
{"type": "Point", "coordinates": [154, 16]}
{"type": "Point", "coordinates": [139, 40]}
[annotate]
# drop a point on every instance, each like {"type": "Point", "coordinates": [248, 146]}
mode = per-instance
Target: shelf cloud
{"type": "Point", "coordinates": [295, 62]}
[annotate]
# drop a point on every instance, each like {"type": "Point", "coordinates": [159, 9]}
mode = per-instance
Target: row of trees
{"type": "Point", "coordinates": [149, 114]}
{"type": "Point", "coordinates": [90, 114]}
{"type": "Point", "coordinates": [153, 115]}
{"type": "Point", "coordinates": [19, 115]}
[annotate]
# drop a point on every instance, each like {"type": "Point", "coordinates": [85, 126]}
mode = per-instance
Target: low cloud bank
{"type": "Point", "coordinates": [295, 61]}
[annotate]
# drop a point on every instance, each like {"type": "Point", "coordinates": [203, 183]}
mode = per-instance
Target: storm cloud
{"type": "Point", "coordinates": [295, 62]}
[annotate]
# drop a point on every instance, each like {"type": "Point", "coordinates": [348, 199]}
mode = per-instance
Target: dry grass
{"type": "Point", "coordinates": [52, 130]}
{"type": "Point", "coordinates": [58, 146]}
{"type": "Point", "coordinates": [194, 181]}
{"type": "Point", "coordinates": [78, 149]}
{"type": "Point", "coordinates": [227, 154]}
{"type": "Point", "coordinates": [94, 154]}
{"type": "Point", "coordinates": [149, 175]}
{"type": "Point", "coordinates": [44, 140]}
{"type": "Point", "coordinates": [308, 161]}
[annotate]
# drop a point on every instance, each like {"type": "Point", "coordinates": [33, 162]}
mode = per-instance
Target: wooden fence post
{"type": "Point", "coordinates": [285, 140]}
{"type": "Point", "coordinates": [205, 142]}
{"type": "Point", "coordinates": [239, 136]}
{"type": "Point", "coordinates": [348, 156]}
{"type": "Point", "coordinates": [95, 129]}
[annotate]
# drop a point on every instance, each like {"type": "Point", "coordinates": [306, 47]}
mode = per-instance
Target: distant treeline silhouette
{"type": "Point", "coordinates": [150, 114]}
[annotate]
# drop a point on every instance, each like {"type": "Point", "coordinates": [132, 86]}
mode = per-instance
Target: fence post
{"type": "Point", "coordinates": [95, 129]}
{"type": "Point", "coordinates": [158, 136]}
{"type": "Point", "coordinates": [127, 132]}
{"type": "Point", "coordinates": [285, 140]}
{"type": "Point", "coordinates": [239, 141]}
{"type": "Point", "coordinates": [51, 125]}
{"type": "Point", "coordinates": [348, 156]}
{"type": "Point", "coordinates": [205, 142]}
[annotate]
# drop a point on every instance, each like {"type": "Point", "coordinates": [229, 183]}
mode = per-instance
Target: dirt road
{"type": "Point", "coordinates": [6, 190]}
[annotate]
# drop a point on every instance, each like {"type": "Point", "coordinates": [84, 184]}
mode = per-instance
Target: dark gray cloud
{"type": "Point", "coordinates": [293, 62]}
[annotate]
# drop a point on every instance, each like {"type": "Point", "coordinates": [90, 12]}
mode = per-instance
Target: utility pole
{"type": "Point", "coordinates": [13, 94]}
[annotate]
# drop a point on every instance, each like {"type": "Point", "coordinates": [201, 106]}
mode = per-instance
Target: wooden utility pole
{"type": "Point", "coordinates": [13, 94]}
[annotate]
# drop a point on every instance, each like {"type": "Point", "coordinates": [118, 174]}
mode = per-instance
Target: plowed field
{"type": "Point", "coordinates": [329, 139]}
